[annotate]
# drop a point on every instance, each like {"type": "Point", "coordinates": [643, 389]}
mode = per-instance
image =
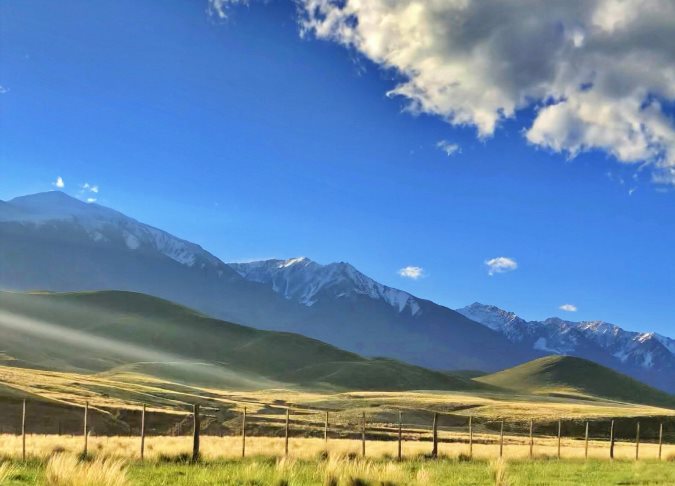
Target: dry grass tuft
{"type": "Point", "coordinates": [7, 470]}
{"type": "Point", "coordinates": [498, 470]}
{"type": "Point", "coordinates": [67, 470]}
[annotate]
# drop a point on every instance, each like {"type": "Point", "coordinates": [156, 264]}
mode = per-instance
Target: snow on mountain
{"type": "Point", "coordinates": [102, 225]}
{"type": "Point", "coordinates": [305, 281]}
{"type": "Point", "coordinates": [648, 351]}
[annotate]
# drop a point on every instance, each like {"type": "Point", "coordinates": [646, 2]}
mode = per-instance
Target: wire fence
{"type": "Point", "coordinates": [398, 432]}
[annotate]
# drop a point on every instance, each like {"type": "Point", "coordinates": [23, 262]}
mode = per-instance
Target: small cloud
{"type": "Point", "coordinates": [411, 272]}
{"type": "Point", "coordinates": [449, 148]}
{"type": "Point", "coordinates": [91, 200]}
{"type": "Point", "coordinates": [4, 90]}
{"type": "Point", "coordinates": [86, 187]}
{"type": "Point", "coordinates": [500, 265]}
{"type": "Point", "coordinates": [568, 307]}
{"type": "Point", "coordinates": [59, 183]}
{"type": "Point", "coordinates": [219, 8]}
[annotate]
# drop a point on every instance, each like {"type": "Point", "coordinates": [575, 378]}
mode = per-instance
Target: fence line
{"type": "Point", "coordinates": [369, 430]}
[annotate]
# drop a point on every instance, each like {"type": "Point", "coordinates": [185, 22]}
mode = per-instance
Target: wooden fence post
{"type": "Point", "coordinates": [531, 438]}
{"type": "Point", "coordinates": [23, 430]}
{"type": "Point", "coordinates": [400, 426]}
{"type": "Point", "coordinates": [363, 435]}
{"type": "Point", "coordinates": [559, 433]}
{"type": "Point", "coordinates": [470, 436]}
{"type": "Point", "coordinates": [637, 441]}
{"type": "Point", "coordinates": [86, 427]}
{"type": "Point", "coordinates": [325, 428]}
{"type": "Point", "coordinates": [196, 425]}
{"type": "Point", "coordinates": [660, 439]}
{"type": "Point", "coordinates": [288, 418]}
{"type": "Point", "coordinates": [586, 442]}
{"type": "Point", "coordinates": [143, 433]}
{"type": "Point", "coordinates": [501, 439]}
{"type": "Point", "coordinates": [434, 449]}
{"type": "Point", "coordinates": [243, 433]}
{"type": "Point", "coordinates": [611, 440]}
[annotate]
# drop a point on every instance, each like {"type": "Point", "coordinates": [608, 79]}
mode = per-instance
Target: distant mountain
{"type": "Point", "coordinates": [565, 375]}
{"type": "Point", "coordinates": [345, 307]}
{"type": "Point", "coordinates": [648, 357]}
{"type": "Point", "coordinates": [131, 332]}
{"type": "Point", "coordinates": [307, 282]}
{"type": "Point", "coordinates": [51, 241]}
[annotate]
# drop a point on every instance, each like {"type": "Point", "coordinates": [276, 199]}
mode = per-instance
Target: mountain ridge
{"type": "Point", "coordinates": [646, 356]}
{"type": "Point", "coordinates": [90, 247]}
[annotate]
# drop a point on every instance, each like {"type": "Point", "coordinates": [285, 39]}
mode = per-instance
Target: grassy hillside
{"type": "Point", "coordinates": [93, 332]}
{"type": "Point", "coordinates": [559, 375]}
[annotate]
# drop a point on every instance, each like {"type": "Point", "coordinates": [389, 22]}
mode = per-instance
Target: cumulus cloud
{"type": "Point", "coordinates": [449, 148]}
{"type": "Point", "coordinates": [500, 265]}
{"type": "Point", "coordinates": [568, 307]}
{"type": "Point", "coordinates": [411, 272]}
{"type": "Point", "coordinates": [598, 74]}
{"type": "Point", "coordinates": [59, 183]}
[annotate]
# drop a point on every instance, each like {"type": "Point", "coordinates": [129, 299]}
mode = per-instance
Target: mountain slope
{"type": "Point", "coordinates": [647, 357]}
{"type": "Point", "coordinates": [51, 241]}
{"type": "Point", "coordinates": [564, 374]}
{"type": "Point", "coordinates": [102, 331]}
{"type": "Point", "coordinates": [343, 306]}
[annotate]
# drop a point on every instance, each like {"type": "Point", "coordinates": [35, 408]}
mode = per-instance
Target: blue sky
{"type": "Point", "coordinates": [254, 142]}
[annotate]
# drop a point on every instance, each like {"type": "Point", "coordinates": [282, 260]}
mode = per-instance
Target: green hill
{"type": "Point", "coordinates": [563, 375]}
{"type": "Point", "coordinates": [112, 331]}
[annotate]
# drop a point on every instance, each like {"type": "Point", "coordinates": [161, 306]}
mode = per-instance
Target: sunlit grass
{"type": "Point", "coordinates": [163, 448]}
{"type": "Point", "coordinates": [337, 470]}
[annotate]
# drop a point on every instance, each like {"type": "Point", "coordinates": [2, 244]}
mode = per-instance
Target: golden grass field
{"type": "Point", "coordinates": [127, 391]}
{"type": "Point", "coordinates": [117, 398]}
{"type": "Point", "coordinates": [217, 448]}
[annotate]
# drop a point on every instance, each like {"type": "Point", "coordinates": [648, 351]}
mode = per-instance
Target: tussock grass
{"type": "Point", "coordinates": [170, 449]}
{"type": "Point", "coordinates": [67, 470]}
{"type": "Point", "coordinates": [7, 470]}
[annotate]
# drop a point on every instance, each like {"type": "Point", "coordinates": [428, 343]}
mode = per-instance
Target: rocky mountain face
{"type": "Point", "coordinates": [648, 357]}
{"type": "Point", "coordinates": [51, 241]}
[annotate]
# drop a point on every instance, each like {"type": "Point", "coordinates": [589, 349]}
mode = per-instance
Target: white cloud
{"type": "Point", "coordinates": [86, 187]}
{"type": "Point", "coordinates": [500, 265]}
{"type": "Point", "coordinates": [3, 90]}
{"type": "Point", "coordinates": [568, 307]}
{"type": "Point", "coordinates": [59, 183]}
{"type": "Point", "coordinates": [91, 200]}
{"type": "Point", "coordinates": [449, 148]}
{"type": "Point", "coordinates": [596, 73]}
{"type": "Point", "coordinates": [411, 272]}
{"type": "Point", "coordinates": [219, 8]}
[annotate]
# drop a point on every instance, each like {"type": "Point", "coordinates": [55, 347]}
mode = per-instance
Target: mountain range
{"type": "Point", "coordinates": [91, 247]}
{"type": "Point", "coordinates": [648, 356]}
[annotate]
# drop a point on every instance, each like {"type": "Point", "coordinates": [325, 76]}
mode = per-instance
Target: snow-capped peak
{"type": "Point", "coordinates": [102, 225]}
{"type": "Point", "coordinates": [489, 315]}
{"type": "Point", "coordinates": [555, 335]}
{"type": "Point", "coordinates": [293, 261]}
{"type": "Point", "coordinates": [306, 282]}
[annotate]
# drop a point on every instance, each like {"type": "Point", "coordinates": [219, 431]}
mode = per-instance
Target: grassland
{"type": "Point", "coordinates": [65, 470]}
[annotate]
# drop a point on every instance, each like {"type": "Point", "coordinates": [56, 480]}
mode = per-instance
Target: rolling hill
{"type": "Point", "coordinates": [565, 375]}
{"type": "Point", "coordinates": [107, 331]}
